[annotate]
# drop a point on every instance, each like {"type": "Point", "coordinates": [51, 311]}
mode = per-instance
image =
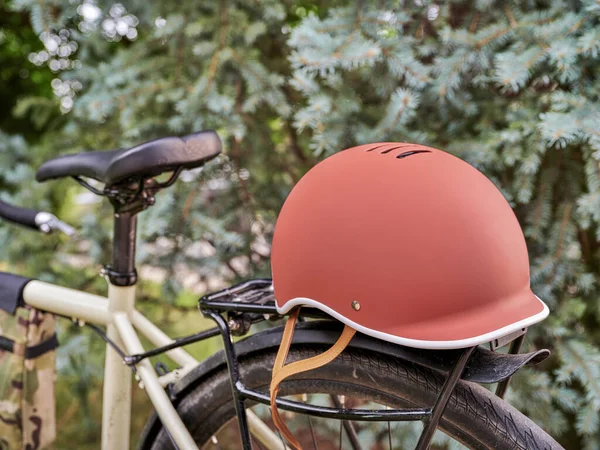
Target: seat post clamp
{"type": "Point", "coordinates": [118, 278]}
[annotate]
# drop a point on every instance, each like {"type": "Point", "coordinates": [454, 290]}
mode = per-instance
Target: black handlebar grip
{"type": "Point", "coordinates": [22, 216]}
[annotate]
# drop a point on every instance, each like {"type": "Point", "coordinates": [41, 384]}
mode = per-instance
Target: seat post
{"type": "Point", "coordinates": [122, 277]}
{"type": "Point", "coordinates": [122, 271]}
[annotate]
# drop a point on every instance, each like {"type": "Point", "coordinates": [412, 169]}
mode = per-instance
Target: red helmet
{"type": "Point", "coordinates": [405, 243]}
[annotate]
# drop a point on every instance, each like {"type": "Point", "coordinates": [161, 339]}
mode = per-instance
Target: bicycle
{"type": "Point", "coordinates": [371, 381]}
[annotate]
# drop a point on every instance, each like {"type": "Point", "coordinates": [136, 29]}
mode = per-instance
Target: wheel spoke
{"type": "Point", "coordinates": [342, 402]}
{"type": "Point", "coordinates": [312, 433]}
{"type": "Point", "coordinates": [348, 425]}
{"type": "Point", "coordinates": [389, 432]}
{"type": "Point", "coordinates": [310, 424]}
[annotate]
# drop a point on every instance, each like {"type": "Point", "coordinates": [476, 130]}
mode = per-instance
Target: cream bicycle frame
{"type": "Point", "coordinates": [118, 314]}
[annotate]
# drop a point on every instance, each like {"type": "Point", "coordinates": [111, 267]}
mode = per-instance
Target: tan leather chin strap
{"type": "Point", "coordinates": [281, 371]}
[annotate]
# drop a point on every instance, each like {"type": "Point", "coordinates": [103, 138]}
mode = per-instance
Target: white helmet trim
{"type": "Point", "coordinates": [417, 343]}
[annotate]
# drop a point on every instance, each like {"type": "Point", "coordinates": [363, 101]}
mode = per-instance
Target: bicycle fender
{"type": "Point", "coordinates": [484, 366]}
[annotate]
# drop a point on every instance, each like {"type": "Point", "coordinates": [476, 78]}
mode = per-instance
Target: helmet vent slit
{"type": "Point", "coordinates": [375, 147]}
{"type": "Point", "coordinates": [383, 152]}
{"type": "Point", "coordinates": [413, 152]}
{"type": "Point", "coordinates": [396, 147]}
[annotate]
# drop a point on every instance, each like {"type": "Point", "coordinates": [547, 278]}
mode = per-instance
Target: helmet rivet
{"type": "Point", "coordinates": [355, 305]}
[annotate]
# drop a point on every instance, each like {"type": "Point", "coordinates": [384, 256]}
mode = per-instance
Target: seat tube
{"type": "Point", "coordinates": [116, 409]}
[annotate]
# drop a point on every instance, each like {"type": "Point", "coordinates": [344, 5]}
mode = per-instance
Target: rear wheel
{"type": "Point", "coordinates": [474, 417]}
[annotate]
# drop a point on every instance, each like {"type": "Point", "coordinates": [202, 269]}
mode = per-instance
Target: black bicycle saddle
{"type": "Point", "coordinates": [142, 161]}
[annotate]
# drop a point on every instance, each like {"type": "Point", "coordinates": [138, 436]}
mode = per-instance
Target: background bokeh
{"type": "Point", "coordinates": [512, 87]}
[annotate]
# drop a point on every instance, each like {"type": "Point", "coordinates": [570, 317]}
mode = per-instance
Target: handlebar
{"type": "Point", "coordinates": [21, 216]}
{"type": "Point", "coordinates": [36, 220]}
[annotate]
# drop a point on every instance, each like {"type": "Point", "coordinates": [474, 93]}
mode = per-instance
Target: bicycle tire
{"type": "Point", "coordinates": [474, 416]}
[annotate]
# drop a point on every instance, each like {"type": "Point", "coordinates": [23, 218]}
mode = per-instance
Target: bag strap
{"type": "Point", "coordinates": [31, 352]}
{"type": "Point", "coordinates": [282, 371]}
{"type": "Point", "coordinates": [42, 348]}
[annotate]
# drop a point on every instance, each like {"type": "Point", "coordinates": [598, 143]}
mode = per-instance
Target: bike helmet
{"type": "Point", "coordinates": [405, 243]}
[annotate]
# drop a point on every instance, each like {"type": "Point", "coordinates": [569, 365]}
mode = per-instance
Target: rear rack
{"type": "Point", "coordinates": [254, 301]}
{"type": "Point", "coordinates": [254, 296]}
{"type": "Point", "coordinates": [245, 303]}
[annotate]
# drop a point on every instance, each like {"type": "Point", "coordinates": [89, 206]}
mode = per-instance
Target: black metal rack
{"type": "Point", "coordinates": [256, 297]}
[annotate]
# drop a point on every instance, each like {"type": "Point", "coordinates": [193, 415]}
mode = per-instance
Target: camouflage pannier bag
{"type": "Point", "coordinates": [27, 370]}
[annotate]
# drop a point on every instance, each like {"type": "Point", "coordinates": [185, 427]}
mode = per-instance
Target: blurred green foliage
{"type": "Point", "coordinates": [511, 87]}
